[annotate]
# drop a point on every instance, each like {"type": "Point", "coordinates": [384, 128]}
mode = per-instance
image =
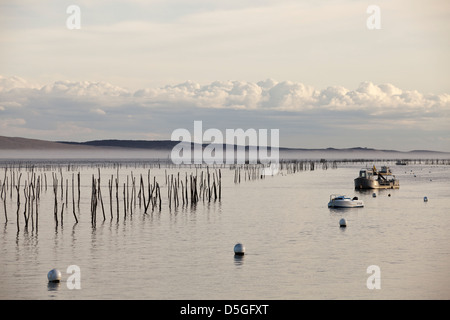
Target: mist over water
{"type": "Point", "coordinates": [99, 153]}
{"type": "Point", "coordinates": [152, 154]}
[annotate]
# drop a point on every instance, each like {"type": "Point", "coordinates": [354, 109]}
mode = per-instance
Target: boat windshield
{"type": "Point", "coordinates": [338, 197]}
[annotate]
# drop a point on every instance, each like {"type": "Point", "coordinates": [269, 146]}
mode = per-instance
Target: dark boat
{"type": "Point", "coordinates": [376, 179]}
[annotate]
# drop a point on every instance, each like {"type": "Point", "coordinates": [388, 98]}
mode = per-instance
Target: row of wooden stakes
{"type": "Point", "coordinates": [206, 186]}
{"type": "Point", "coordinates": [184, 190]}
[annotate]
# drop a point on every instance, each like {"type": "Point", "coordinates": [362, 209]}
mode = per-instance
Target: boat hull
{"type": "Point", "coordinates": [364, 183]}
{"type": "Point", "coordinates": [346, 204]}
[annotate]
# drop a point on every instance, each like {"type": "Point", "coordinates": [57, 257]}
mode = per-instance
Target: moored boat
{"type": "Point", "coordinates": [342, 201]}
{"type": "Point", "coordinates": [376, 179]}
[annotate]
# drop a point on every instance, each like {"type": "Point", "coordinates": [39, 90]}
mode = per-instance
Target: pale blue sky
{"type": "Point", "coordinates": [385, 88]}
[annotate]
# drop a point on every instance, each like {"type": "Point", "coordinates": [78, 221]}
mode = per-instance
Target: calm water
{"type": "Point", "coordinates": [295, 248]}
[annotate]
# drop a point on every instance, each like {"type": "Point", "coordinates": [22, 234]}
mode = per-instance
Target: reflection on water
{"type": "Point", "coordinates": [53, 286]}
{"type": "Point", "coordinates": [238, 260]}
{"type": "Point", "coordinates": [337, 210]}
{"type": "Point", "coordinates": [298, 249]}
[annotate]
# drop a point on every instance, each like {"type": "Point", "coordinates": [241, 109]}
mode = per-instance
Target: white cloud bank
{"type": "Point", "coordinates": [112, 111]}
{"type": "Point", "coordinates": [268, 94]}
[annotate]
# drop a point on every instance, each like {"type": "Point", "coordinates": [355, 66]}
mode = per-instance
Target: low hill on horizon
{"type": "Point", "coordinates": [11, 147]}
{"type": "Point", "coordinates": [18, 143]}
{"type": "Point", "coordinates": [169, 144]}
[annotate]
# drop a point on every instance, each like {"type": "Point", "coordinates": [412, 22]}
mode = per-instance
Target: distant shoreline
{"type": "Point", "coordinates": [23, 148]}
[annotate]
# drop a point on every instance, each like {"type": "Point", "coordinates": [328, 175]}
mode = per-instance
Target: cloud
{"type": "Point", "coordinates": [14, 82]}
{"type": "Point", "coordinates": [98, 111]}
{"type": "Point", "coordinates": [267, 94]}
{"type": "Point", "coordinates": [294, 96]}
{"type": "Point", "coordinates": [11, 122]}
{"type": "Point", "coordinates": [103, 110]}
{"type": "Point", "coordinates": [84, 88]}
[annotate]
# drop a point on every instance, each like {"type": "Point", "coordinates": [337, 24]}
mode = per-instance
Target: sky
{"type": "Point", "coordinates": [312, 69]}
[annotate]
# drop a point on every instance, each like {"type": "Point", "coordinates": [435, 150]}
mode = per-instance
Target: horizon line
{"type": "Point", "coordinates": [329, 148]}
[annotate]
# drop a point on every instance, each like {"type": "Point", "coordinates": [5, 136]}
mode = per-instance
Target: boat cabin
{"type": "Point", "coordinates": [365, 174]}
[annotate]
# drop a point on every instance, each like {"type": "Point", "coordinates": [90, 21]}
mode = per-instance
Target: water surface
{"type": "Point", "coordinates": [295, 248]}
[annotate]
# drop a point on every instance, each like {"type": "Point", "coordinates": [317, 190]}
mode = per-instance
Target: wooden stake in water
{"type": "Point", "coordinates": [78, 177]}
{"type": "Point", "coordinates": [18, 202]}
{"type": "Point", "coordinates": [73, 199]}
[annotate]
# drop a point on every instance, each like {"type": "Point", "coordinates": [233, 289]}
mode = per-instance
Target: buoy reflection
{"type": "Point", "coordinates": [238, 260]}
{"type": "Point", "coordinates": [53, 286]}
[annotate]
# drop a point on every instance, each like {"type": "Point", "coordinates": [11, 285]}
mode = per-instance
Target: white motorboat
{"type": "Point", "coordinates": [341, 201]}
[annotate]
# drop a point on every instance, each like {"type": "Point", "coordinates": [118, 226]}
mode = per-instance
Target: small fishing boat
{"type": "Point", "coordinates": [376, 179]}
{"type": "Point", "coordinates": [342, 201]}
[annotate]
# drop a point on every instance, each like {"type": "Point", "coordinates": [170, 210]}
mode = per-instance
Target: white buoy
{"type": "Point", "coordinates": [54, 275]}
{"type": "Point", "coordinates": [239, 249]}
{"type": "Point", "coordinates": [342, 223]}
{"type": "Point", "coordinates": [425, 199]}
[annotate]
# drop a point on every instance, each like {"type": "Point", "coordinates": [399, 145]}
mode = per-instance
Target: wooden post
{"type": "Point", "coordinates": [99, 192]}
{"type": "Point", "coordinates": [110, 186]}
{"type": "Point", "coordinates": [78, 177]}
{"type": "Point", "coordinates": [159, 195]}
{"type": "Point", "coordinates": [55, 191]}
{"type": "Point", "coordinates": [26, 202]}
{"type": "Point", "coordinates": [73, 199]}
{"type": "Point", "coordinates": [18, 202]}
{"type": "Point", "coordinates": [117, 198]}
{"type": "Point", "coordinates": [62, 184]}
{"type": "Point", "coordinates": [220, 185]}
{"type": "Point", "coordinates": [124, 202]}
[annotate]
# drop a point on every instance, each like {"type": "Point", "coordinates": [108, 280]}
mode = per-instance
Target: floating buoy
{"type": "Point", "coordinates": [425, 199]}
{"type": "Point", "coordinates": [342, 223]}
{"type": "Point", "coordinates": [239, 249]}
{"type": "Point", "coordinates": [54, 276]}
{"type": "Point", "coordinates": [374, 195]}
{"type": "Point", "coordinates": [389, 195]}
